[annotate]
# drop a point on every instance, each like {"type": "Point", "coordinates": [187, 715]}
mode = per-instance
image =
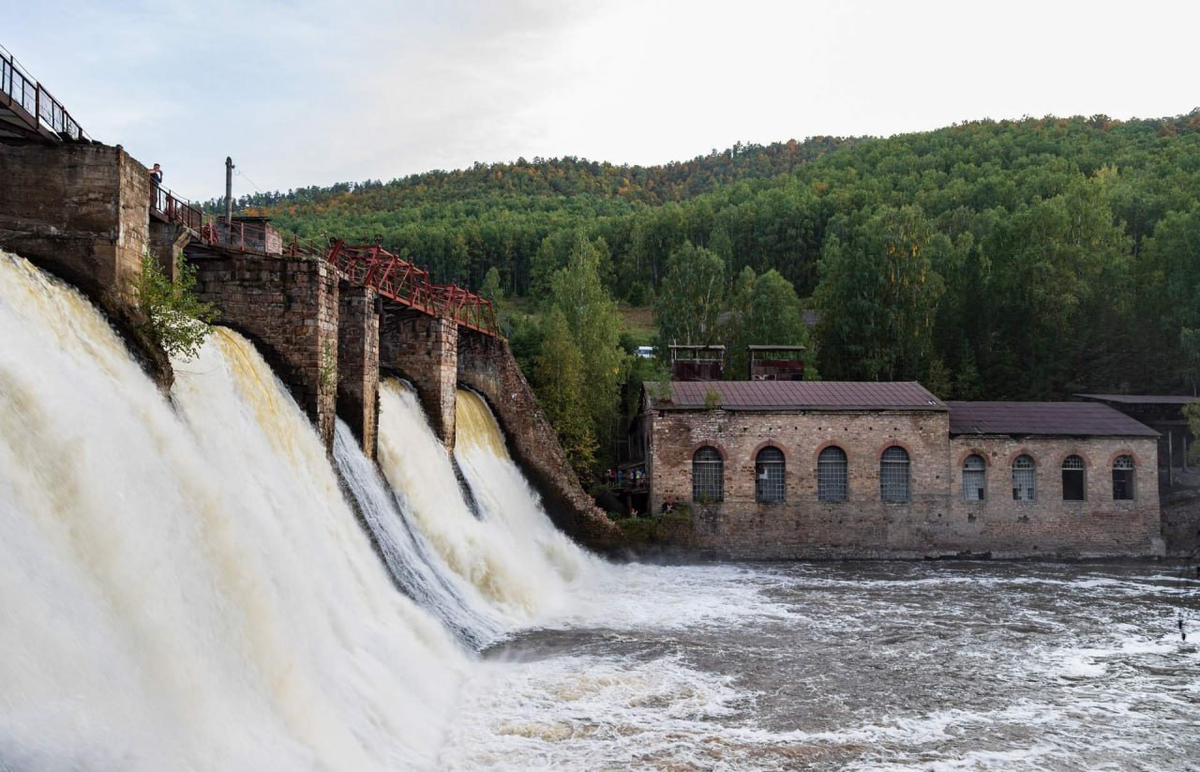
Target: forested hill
{"type": "Point", "coordinates": [1017, 259]}
{"type": "Point", "coordinates": [554, 178]}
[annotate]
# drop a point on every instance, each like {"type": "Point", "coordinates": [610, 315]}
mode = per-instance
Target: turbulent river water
{"type": "Point", "coordinates": [191, 584]}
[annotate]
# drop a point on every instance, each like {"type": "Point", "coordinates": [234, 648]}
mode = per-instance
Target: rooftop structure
{"type": "Point", "coordinates": [801, 395]}
{"type": "Point", "coordinates": [697, 363]}
{"type": "Point", "coordinates": [776, 363]}
{"type": "Point", "coordinates": [1067, 419]}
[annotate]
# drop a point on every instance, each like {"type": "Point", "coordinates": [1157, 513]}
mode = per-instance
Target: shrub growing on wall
{"type": "Point", "coordinates": [177, 320]}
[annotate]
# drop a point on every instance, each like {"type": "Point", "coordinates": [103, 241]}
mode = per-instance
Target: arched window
{"type": "Point", "coordinates": [1024, 478]}
{"type": "Point", "coordinates": [1073, 479]}
{"type": "Point", "coordinates": [893, 474]}
{"type": "Point", "coordinates": [1123, 478]}
{"type": "Point", "coordinates": [831, 475]}
{"type": "Point", "coordinates": [708, 475]}
{"type": "Point", "coordinates": [974, 478]}
{"type": "Point", "coordinates": [769, 470]}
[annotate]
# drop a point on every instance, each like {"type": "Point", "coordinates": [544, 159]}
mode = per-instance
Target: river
{"type": "Point", "coordinates": [870, 665]}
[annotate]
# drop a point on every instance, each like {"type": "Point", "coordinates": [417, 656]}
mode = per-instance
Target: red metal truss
{"type": "Point", "coordinates": [403, 282]}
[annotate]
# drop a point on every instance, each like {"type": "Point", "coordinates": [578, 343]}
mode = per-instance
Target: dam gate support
{"type": "Point", "coordinates": [358, 363]}
{"type": "Point", "coordinates": [289, 308]}
{"type": "Point", "coordinates": [424, 349]}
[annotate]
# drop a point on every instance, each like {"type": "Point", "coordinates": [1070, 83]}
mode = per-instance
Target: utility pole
{"type": "Point", "coordinates": [228, 192]}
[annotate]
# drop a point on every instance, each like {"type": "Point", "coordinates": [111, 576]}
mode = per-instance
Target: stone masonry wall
{"type": "Point", "coordinates": [486, 365]}
{"type": "Point", "coordinates": [79, 210]}
{"type": "Point", "coordinates": [289, 309]}
{"type": "Point", "coordinates": [934, 522]}
{"type": "Point", "coordinates": [1048, 525]}
{"type": "Point", "coordinates": [801, 526]}
{"type": "Point", "coordinates": [1181, 523]}
{"type": "Point", "coordinates": [424, 349]}
{"type": "Point", "coordinates": [358, 363]}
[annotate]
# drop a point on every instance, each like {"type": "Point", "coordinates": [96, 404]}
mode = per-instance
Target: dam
{"type": "Point", "coordinates": [230, 562]}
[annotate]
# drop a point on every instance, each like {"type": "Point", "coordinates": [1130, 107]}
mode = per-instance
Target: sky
{"type": "Point", "coordinates": [311, 92]}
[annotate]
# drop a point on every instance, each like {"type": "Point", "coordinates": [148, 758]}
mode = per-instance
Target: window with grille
{"type": "Point", "coordinates": [708, 475]}
{"type": "Point", "coordinates": [1073, 481]}
{"type": "Point", "coordinates": [893, 474]}
{"type": "Point", "coordinates": [1024, 479]}
{"type": "Point", "coordinates": [974, 478]}
{"type": "Point", "coordinates": [769, 471]}
{"type": "Point", "coordinates": [1122, 473]}
{"type": "Point", "coordinates": [831, 475]}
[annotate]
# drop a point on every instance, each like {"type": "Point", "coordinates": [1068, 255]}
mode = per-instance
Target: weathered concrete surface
{"type": "Point", "coordinates": [81, 212]}
{"type": "Point", "coordinates": [288, 307]}
{"type": "Point", "coordinates": [424, 349]}
{"type": "Point", "coordinates": [358, 364]}
{"type": "Point", "coordinates": [486, 365]}
{"type": "Point", "coordinates": [167, 241]}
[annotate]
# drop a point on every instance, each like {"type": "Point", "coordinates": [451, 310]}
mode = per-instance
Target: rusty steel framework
{"type": "Point", "coordinates": [28, 109]}
{"type": "Point", "coordinates": [402, 282]}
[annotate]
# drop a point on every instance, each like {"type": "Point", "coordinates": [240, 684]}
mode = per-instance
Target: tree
{"type": "Point", "coordinates": [177, 320]}
{"type": "Point", "coordinates": [491, 288]}
{"type": "Point", "coordinates": [878, 294]}
{"type": "Point", "coordinates": [591, 317]}
{"type": "Point", "coordinates": [690, 300]}
{"type": "Point", "coordinates": [560, 388]}
{"type": "Point", "coordinates": [765, 311]}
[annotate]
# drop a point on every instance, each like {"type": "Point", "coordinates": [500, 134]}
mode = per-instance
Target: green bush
{"type": "Point", "coordinates": [176, 319]}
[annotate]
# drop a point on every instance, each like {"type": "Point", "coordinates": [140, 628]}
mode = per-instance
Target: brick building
{"type": "Point", "coordinates": [798, 469]}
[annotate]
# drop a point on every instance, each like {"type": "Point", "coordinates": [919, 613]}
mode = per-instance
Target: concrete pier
{"type": "Point", "coordinates": [358, 363]}
{"type": "Point", "coordinates": [424, 349]}
{"type": "Point", "coordinates": [289, 308]}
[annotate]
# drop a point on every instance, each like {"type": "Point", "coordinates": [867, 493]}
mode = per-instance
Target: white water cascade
{"type": "Point", "coordinates": [417, 568]}
{"type": "Point", "coordinates": [512, 554]}
{"type": "Point", "coordinates": [186, 588]}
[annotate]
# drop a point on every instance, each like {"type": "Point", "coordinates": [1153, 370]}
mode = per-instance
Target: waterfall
{"type": "Point", "coordinates": [503, 493]}
{"type": "Point", "coordinates": [416, 567]}
{"type": "Point", "coordinates": [512, 554]}
{"type": "Point", "coordinates": [183, 586]}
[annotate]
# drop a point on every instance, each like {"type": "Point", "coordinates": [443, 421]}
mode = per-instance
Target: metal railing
{"type": "Point", "coordinates": [172, 208]}
{"type": "Point", "coordinates": [26, 93]}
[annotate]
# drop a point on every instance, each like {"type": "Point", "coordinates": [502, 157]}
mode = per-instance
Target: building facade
{"type": "Point", "coordinates": [777, 470]}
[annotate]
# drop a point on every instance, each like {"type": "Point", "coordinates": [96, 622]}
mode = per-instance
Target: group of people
{"type": "Point", "coordinates": [622, 477]}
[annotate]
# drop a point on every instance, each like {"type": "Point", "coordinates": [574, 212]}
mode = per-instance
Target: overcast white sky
{"type": "Point", "coordinates": [304, 92]}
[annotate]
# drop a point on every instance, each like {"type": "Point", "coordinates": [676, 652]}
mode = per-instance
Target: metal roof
{"type": "Point", "coordinates": [1045, 418]}
{"type": "Point", "coordinates": [801, 395]}
{"type": "Point", "coordinates": [1142, 399]}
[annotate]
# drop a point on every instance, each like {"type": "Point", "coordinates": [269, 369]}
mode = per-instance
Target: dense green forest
{"type": "Point", "coordinates": [1025, 259]}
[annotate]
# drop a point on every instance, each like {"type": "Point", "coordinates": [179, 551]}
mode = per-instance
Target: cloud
{"type": "Point", "coordinates": [305, 92]}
